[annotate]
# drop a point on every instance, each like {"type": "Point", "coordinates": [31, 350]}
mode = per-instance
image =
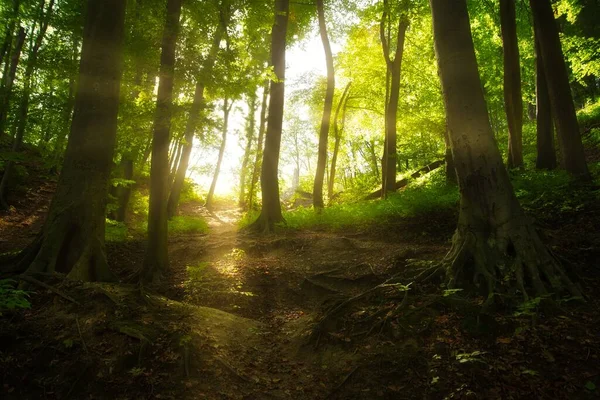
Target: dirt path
{"type": "Point", "coordinates": [282, 283]}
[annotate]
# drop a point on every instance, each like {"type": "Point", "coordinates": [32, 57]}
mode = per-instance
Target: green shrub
{"type": "Point", "coordinates": [11, 298]}
{"type": "Point", "coordinates": [115, 231]}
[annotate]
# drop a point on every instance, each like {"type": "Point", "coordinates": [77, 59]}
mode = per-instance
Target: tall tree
{"type": "Point", "coordinates": [44, 20]}
{"type": "Point", "coordinates": [250, 126]}
{"type": "Point", "coordinates": [557, 78]}
{"type": "Point", "coordinates": [197, 106]}
{"type": "Point", "coordinates": [513, 100]}
{"type": "Point", "coordinates": [156, 260]}
{"type": "Point", "coordinates": [327, 107]}
{"type": "Point", "coordinates": [211, 192]}
{"type": "Point", "coordinates": [8, 35]}
{"type": "Point", "coordinates": [546, 153]}
{"type": "Point", "coordinates": [338, 130]}
{"type": "Point", "coordinates": [394, 71]}
{"type": "Point", "coordinates": [72, 239]}
{"type": "Point", "coordinates": [8, 78]}
{"type": "Point", "coordinates": [259, 146]}
{"type": "Point", "coordinates": [494, 244]}
{"type": "Point", "coordinates": [269, 180]}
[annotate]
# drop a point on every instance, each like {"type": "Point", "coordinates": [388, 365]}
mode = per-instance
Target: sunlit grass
{"type": "Point", "coordinates": [184, 224]}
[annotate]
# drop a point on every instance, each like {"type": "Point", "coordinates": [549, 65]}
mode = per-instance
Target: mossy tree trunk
{"type": "Point", "coordinates": [156, 260]}
{"type": "Point", "coordinates": [338, 130]}
{"type": "Point", "coordinates": [250, 126]}
{"type": "Point", "coordinates": [8, 78]}
{"type": "Point", "coordinates": [495, 245]}
{"type": "Point", "coordinates": [269, 178]}
{"type": "Point", "coordinates": [327, 108]}
{"type": "Point", "coordinates": [513, 100]}
{"type": "Point", "coordinates": [559, 90]}
{"type": "Point", "coordinates": [72, 239]}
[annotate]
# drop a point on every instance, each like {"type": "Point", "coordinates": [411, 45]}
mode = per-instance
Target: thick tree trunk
{"type": "Point", "coordinates": [394, 68]}
{"type": "Point", "coordinates": [269, 180]}
{"type": "Point", "coordinates": [546, 153]}
{"type": "Point", "coordinates": [327, 107]}
{"type": "Point", "coordinates": [561, 99]}
{"type": "Point", "coordinates": [338, 137]}
{"type": "Point", "coordinates": [513, 100]}
{"type": "Point", "coordinates": [251, 122]}
{"type": "Point", "coordinates": [157, 260]}
{"type": "Point", "coordinates": [72, 239]}
{"type": "Point", "coordinates": [259, 147]}
{"type": "Point", "coordinates": [213, 185]}
{"type": "Point", "coordinates": [495, 244]}
{"type": "Point", "coordinates": [194, 117]}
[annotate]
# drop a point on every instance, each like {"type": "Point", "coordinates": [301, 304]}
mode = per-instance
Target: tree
{"type": "Point", "coordinates": [72, 239]}
{"type": "Point", "coordinates": [338, 130]}
{"type": "Point", "coordinates": [156, 260]}
{"type": "Point", "coordinates": [250, 125]}
{"type": "Point", "coordinates": [557, 78]}
{"type": "Point", "coordinates": [269, 181]}
{"type": "Point", "coordinates": [226, 110]}
{"type": "Point", "coordinates": [495, 244]}
{"type": "Point", "coordinates": [513, 101]}
{"type": "Point", "coordinates": [394, 69]}
{"type": "Point", "coordinates": [327, 107]}
{"type": "Point", "coordinates": [546, 153]}
{"type": "Point", "coordinates": [197, 106]}
{"type": "Point", "coordinates": [259, 146]}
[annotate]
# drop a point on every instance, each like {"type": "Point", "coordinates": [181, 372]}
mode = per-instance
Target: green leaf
{"type": "Point", "coordinates": [589, 385]}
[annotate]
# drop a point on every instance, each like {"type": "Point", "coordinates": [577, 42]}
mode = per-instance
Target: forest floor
{"type": "Point", "coordinates": [236, 317]}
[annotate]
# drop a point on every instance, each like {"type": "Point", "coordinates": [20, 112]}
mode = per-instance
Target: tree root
{"type": "Point", "coordinates": [36, 282]}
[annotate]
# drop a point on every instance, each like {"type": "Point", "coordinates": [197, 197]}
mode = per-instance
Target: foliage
{"type": "Point", "coordinates": [185, 224]}
{"type": "Point", "coordinates": [11, 298]}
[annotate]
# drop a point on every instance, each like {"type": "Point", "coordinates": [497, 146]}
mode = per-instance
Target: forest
{"type": "Point", "coordinates": [299, 199]}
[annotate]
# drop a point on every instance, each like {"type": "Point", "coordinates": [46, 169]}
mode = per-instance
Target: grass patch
{"type": "Point", "coordinates": [116, 231]}
{"type": "Point", "coordinates": [427, 194]}
{"type": "Point", "coordinates": [184, 224]}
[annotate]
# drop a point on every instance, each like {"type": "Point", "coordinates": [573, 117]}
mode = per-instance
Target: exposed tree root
{"type": "Point", "coordinates": [36, 282]}
{"type": "Point", "coordinates": [512, 261]}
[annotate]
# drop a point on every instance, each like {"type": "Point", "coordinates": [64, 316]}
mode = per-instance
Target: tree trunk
{"type": "Point", "coordinates": [24, 104]}
{"type": "Point", "coordinates": [450, 167]}
{"type": "Point", "coordinates": [269, 180]}
{"type": "Point", "coordinates": [157, 260]}
{"type": "Point", "coordinates": [394, 67]}
{"type": "Point", "coordinates": [251, 122]}
{"type": "Point", "coordinates": [194, 117]}
{"type": "Point", "coordinates": [326, 120]}
{"type": "Point", "coordinates": [259, 147]}
{"type": "Point", "coordinates": [213, 185]}
{"type": "Point", "coordinates": [513, 100]}
{"type": "Point", "coordinates": [495, 244]}
{"type": "Point", "coordinates": [72, 239]}
{"type": "Point", "coordinates": [561, 99]}
{"type": "Point", "coordinates": [546, 153]}
{"type": "Point", "coordinates": [9, 78]}
{"type": "Point", "coordinates": [338, 137]}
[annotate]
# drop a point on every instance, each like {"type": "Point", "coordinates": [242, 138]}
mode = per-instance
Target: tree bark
{"type": "Point", "coordinates": [157, 260]}
{"type": "Point", "coordinates": [327, 107]}
{"type": "Point", "coordinates": [251, 122]}
{"type": "Point", "coordinates": [213, 185]}
{"type": "Point", "coordinates": [269, 180]}
{"type": "Point", "coordinates": [561, 99]}
{"type": "Point", "coordinates": [8, 37]}
{"type": "Point", "coordinates": [259, 147]}
{"type": "Point", "coordinates": [72, 239]}
{"type": "Point", "coordinates": [450, 167]}
{"type": "Point", "coordinates": [394, 68]}
{"type": "Point", "coordinates": [194, 117]}
{"type": "Point", "coordinates": [495, 245]}
{"type": "Point", "coordinates": [546, 153]}
{"type": "Point", "coordinates": [513, 100]}
{"type": "Point", "coordinates": [338, 137]}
